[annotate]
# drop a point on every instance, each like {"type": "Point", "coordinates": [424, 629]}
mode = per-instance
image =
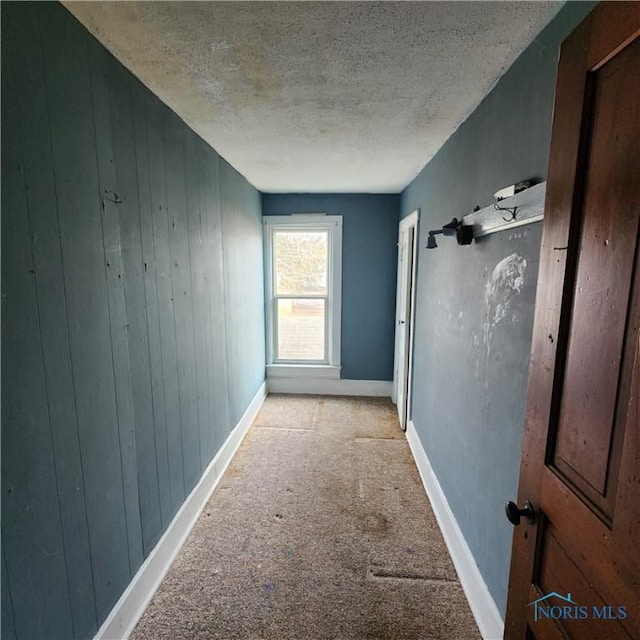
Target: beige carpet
{"type": "Point", "coordinates": [320, 529]}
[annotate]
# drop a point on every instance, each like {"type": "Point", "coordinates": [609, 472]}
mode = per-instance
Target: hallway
{"type": "Point", "coordinates": [319, 529]}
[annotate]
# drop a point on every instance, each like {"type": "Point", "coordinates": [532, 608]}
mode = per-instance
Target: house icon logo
{"type": "Point", "coordinates": [543, 608]}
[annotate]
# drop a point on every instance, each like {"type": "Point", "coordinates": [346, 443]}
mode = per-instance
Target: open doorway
{"type": "Point", "coordinates": [405, 303]}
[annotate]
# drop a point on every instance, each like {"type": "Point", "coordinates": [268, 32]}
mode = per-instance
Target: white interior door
{"type": "Point", "coordinates": [407, 244]}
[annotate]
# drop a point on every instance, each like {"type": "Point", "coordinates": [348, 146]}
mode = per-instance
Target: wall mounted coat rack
{"type": "Point", "coordinates": [522, 208]}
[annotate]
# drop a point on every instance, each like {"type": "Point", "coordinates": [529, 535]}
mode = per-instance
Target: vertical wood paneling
{"type": "Point", "coordinates": [127, 189]}
{"type": "Point", "coordinates": [42, 203]}
{"type": "Point", "coordinates": [157, 454]}
{"type": "Point", "coordinates": [229, 227]}
{"type": "Point", "coordinates": [116, 382]}
{"type": "Point", "coordinates": [31, 527]}
{"type": "Point", "coordinates": [8, 624]}
{"type": "Point", "coordinates": [214, 291]}
{"type": "Point", "coordinates": [74, 150]}
{"type": "Point", "coordinates": [114, 200]}
{"type": "Point", "coordinates": [183, 310]}
{"type": "Point", "coordinates": [156, 116]}
{"type": "Point", "coordinates": [198, 258]}
{"type": "Point", "coordinates": [244, 285]}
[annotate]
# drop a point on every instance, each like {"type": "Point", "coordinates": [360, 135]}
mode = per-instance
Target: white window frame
{"type": "Point", "coordinates": [330, 367]}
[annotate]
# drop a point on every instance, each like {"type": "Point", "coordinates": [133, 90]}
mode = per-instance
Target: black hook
{"type": "Point", "coordinates": [511, 210]}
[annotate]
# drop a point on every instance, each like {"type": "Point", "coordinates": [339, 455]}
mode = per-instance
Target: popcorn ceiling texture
{"type": "Point", "coordinates": [319, 96]}
{"type": "Point", "coordinates": [320, 528]}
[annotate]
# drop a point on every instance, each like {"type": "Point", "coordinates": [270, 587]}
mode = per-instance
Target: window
{"type": "Point", "coordinates": [303, 256]}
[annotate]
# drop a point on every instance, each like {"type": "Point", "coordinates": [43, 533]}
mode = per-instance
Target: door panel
{"type": "Point", "coordinates": [404, 317]}
{"type": "Point", "coordinates": [580, 465]}
{"type": "Point", "coordinates": [559, 573]}
{"type": "Point", "coordinates": [585, 448]}
{"type": "Point", "coordinates": [403, 403]}
{"type": "Point", "coordinates": [401, 326]}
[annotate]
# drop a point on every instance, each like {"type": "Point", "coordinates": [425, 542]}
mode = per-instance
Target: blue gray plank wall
{"type": "Point", "coordinates": [132, 320]}
{"type": "Point", "coordinates": [369, 263]}
{"type": "Point", "coordinates": [474, 309]}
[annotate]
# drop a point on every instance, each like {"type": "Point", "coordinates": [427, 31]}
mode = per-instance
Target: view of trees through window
{"type": "Point", "coordinates": [301, 262]}
{"type": "Point", "coordinates": [301, 266]}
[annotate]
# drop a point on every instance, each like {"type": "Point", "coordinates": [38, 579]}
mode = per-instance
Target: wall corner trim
{"type": "Point", "coordinates": [483, 607]}
{"type": "Point", "coordinates": [318, 386]}
{"type": "Point", "coordinates": [132, 603]}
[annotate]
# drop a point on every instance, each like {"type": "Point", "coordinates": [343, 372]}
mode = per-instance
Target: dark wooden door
{"type": "Point", "coordinates": [580, 465]}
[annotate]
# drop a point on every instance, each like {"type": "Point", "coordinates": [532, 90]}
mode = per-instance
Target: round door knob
{"type": "Point", "coordinates": [514, 513]}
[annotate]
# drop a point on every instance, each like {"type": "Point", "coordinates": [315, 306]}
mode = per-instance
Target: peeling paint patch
{"type": "Point", "coordinates": [504, 285]}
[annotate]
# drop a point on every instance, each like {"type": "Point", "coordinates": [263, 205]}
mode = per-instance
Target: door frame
{"type": "Point", "coordinates": [406, 281]}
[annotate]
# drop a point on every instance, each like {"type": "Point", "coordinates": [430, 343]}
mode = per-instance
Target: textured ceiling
{"type": "Point", "coordinates": [319, 96]}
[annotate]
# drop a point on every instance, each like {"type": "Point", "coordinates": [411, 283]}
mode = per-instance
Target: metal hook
{"type": "Point", "coordinates": [511, 210]}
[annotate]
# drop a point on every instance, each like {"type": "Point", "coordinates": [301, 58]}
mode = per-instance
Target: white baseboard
{"type": "Point", "coordinates": [379, 388]}
{"type": "Point", "coordinates": [131, 605]}
{"type": "Point", "coordinates": [482, 605]}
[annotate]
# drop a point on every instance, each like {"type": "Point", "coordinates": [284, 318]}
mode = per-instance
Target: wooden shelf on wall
{"type": "Point", "coordinates": [530, 208]}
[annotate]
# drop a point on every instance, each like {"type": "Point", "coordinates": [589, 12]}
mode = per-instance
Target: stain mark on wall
{"type": "Point", "coordinates": [504, 285]}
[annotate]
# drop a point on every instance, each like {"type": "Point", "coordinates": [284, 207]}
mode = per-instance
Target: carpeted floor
{"type": "Point", "coordinates": [320, 529]}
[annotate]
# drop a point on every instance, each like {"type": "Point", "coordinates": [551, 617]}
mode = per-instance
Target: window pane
{"type": "Point", "coordinates": [301, 262]}
{"type": "Point", "coordinates": [301, 329]}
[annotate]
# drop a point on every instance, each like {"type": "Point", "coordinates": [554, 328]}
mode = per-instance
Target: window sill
{"type": "Point", "coordinates": [326, 371]}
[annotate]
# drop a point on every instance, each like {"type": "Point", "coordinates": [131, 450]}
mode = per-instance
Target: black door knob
{"type": "Point", "coordinates": [514, 514]}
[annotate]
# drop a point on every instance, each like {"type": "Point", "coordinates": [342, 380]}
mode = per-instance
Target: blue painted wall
{"type": "Point", "coordinates": [369, 263]}
{"type": "Point", "coordinates": [132, 320]}
{"type": "Point", "coordinates": [244, 288]}
{"type": "Point", "coordinates": [471, 356]}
